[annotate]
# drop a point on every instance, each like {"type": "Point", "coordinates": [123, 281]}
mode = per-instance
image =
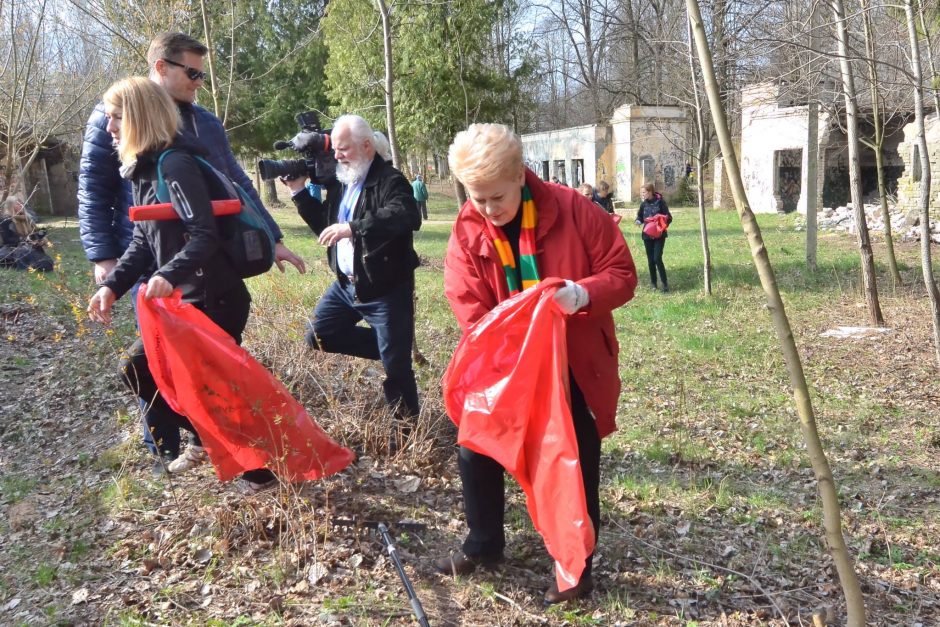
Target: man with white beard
{"type": "Point", "coordinates": [367, 222]}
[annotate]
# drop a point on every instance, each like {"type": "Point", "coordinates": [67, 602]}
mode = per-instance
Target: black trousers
{"type": "Point", "coordinates": [230, 312]}
{"type": "Point", "coordinates": [654, 255]}
{"type": "Point", "coordinates": [484, 496]}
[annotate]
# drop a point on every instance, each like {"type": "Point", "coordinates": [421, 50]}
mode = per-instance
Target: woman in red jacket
{"type": "Point", "coordinates": [571, 239]}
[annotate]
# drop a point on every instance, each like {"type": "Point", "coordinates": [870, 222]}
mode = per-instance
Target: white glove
{"type": "Point", "coordinates": [571, 297]}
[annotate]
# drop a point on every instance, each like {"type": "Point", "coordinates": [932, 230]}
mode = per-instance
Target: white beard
{"type": "Point", "coordinates": [351, 173]}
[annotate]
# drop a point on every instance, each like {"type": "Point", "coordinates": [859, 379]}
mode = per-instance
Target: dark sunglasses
{"type": "Point", "coordinates": [192, 73]}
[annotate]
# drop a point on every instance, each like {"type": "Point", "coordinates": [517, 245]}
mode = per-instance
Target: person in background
{"type": "Point", "coordinates": [421, 195]}
{"type": "Point", "coordinates": [573, 240]}
{"type": "Point", "coordinates": [652, 205]}
{"type": "Point", "coordinates": [186, 253]}
{"type": "Point", "coordinates": [605, 198]}
{"type": "Point", "coordinates": [586, 190]}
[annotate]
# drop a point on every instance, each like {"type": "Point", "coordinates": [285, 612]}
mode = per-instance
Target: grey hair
{"type": "Point", "coordinates": [359, 129]}
{"type": "Point", "coordinates": [381, 145]}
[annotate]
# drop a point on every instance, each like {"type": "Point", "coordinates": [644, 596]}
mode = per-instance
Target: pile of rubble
{"type": "Point", "coordinates": [904, 225]}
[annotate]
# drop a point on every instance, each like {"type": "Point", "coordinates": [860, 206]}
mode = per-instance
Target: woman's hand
{"type": "Point", "coordinates": [99, 306]}
{"type": "Point", "coordinates": [571, 297]}
{"type": "Point", "coordinates": [158, 287]}
{"type": "Point", "coordinates": [616, 217]}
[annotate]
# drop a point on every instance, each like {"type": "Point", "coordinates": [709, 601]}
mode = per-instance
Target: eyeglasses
{"type": "Point", "coordinates": [192, 73]}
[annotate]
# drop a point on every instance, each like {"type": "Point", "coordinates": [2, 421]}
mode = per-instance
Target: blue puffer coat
{"type": "Point", "coordinates": [103, 196]}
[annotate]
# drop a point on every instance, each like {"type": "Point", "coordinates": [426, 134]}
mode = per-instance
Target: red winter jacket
{"type": "Point", "coordinates": [574, 240]}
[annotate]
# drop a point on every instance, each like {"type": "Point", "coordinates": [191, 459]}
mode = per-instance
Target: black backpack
{"type": "Point", "coordinates": [246, 238]}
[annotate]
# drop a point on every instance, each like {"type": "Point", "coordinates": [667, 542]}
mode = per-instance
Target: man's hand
{"type": "Point", "coordinates": [294, 185]}
{"type": "Point", "coordinates": [282, 253]}
{"type": "Point", "coordinates": [103, 268]}
{"type": "Point", "coordinates": [158, 287]}
{"type": "Point", "coordinates": [99, 306]}
{"type": "Point", "coordinates": [335, 232]}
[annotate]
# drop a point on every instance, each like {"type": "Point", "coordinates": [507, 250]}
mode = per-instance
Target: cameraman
{"type": "Point", "coordinates": [367, 223]}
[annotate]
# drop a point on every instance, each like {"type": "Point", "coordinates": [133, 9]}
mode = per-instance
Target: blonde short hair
{"type": "Point", "coordinates": [150, 118]}
{"type": "Point", "coordinates": [484, 153]}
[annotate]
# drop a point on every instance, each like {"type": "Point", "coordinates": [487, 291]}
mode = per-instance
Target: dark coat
{"type": "Point", "coordinates": [185, 252]}
{"type": "Point", "coordinates": [606, 203]}
{"type": "Point", "coordinates": [383, 225]}
{"type": "Point", "coordinates": [103, 196]}
{"type": "Point", "coordinates": [650, 208]}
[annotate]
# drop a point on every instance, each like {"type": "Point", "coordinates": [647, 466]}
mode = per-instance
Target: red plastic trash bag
{"type": "Point", "coordinates": [506, 388]}
{"type": "Point", "coordinates": [245, 417]}
{"type": "Point", "coordinates": [656, 225]}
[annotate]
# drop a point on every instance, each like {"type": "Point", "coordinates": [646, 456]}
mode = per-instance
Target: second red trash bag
{"type": "Point", "coordinates": [506, 388]}
{"type": "Point", "coordinates": [245, 417]}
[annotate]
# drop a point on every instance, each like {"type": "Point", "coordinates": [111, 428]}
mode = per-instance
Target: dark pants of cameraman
{"type": "Point", "coordinates": [388, 337]}
{"type": "Point", "coordinates": [484, 495]}
{"type": "Point", "coordinates": [230, 313]}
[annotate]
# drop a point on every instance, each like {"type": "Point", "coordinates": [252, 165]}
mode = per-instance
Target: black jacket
{"type": "Point", "coordinates": [650, 208]}
{"type": "Point", "coordinates": [187, 251]}
{"type": "Point", "coordinates": [383, 223]}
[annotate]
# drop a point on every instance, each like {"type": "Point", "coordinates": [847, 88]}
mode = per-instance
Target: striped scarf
{"type": "Point", "coordinates": [529, 270]}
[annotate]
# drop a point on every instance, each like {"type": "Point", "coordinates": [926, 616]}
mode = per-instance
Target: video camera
{"type": "Point", "coordinates": [314, 144]}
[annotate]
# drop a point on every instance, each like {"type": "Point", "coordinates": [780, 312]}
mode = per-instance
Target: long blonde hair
{"type": "Point", "coordinates": [150, 118]}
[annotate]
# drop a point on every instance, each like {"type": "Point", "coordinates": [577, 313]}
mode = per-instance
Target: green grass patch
{"type": "Point", "coordinates": [14, 488]}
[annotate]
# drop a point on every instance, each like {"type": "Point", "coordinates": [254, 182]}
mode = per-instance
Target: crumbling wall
{"type": "Point", "coordinates": [909, 183]}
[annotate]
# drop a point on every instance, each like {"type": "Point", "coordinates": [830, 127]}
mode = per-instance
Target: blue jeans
{"type": "Point", "coordinates": [335, 329]}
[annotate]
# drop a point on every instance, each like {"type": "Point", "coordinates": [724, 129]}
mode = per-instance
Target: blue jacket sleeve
{"type": "Point", "coordinates": [222, 158]}
{"type": "Point", "coordinates": [103, 196]}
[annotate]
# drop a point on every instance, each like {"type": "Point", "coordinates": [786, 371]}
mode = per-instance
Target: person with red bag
{"type": "Point", "coordinates": [144, 121]}
{"type": "Point", "coordinates": [513, 231]}
{"type": "Point", "coordinates": [653, 215]}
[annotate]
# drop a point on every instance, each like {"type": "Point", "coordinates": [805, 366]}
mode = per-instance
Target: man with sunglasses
{"type": "Point", "coordinates": [176, 62]}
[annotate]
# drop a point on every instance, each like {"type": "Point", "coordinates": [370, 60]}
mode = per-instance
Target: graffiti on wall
{"type": "Point", "coordinates": [669, 177]}
{"type": "Point", "coordinates": [789, 178]}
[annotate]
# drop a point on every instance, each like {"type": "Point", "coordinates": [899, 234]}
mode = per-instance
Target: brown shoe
{"type": "Point", "coordinates": [459, 563]}
{"type": "Point", "coordinates": [584, 588]}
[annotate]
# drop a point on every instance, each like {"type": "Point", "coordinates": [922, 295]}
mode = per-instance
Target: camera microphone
{"type": "Point", "coordinates": [282, 145]}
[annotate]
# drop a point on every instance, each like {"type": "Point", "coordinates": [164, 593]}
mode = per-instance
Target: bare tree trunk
{"type": "Point", "coordinates": [210, 60]}
{"type": "Point", "coordinates": [812, 183]}
{"type": "Point", "coordinates": [700, 166]}
{"type": "Point", "coordinates": [812, 156]}
{"type": "Point", "coordinates": [879, 140]}
{"type": "Point", "coordinates": [832, 519]}
{"type": "Point", "coordinates": [459, 191]}
{"type": "Point", "coordinates": [926, 264]}
{"type": "Point", "coordinates": [384, 10]}
{"type": "Point", "coordinates": [870, 285]}
{"type": "Point", "coordinates": [270, 194]}
{"type": "Point", "coordinates": [933, 67]}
